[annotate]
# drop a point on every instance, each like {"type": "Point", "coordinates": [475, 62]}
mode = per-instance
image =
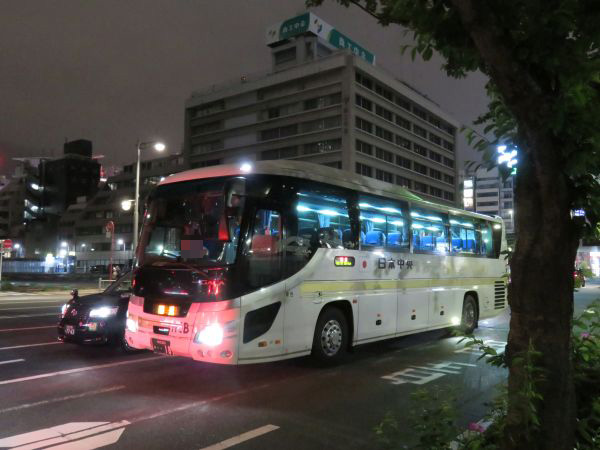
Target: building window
{"type": "Point", "coordinates": [403, 142]}
{"type": "Point", "coordinates": [279, 153]}
{"type": "Point", "coordinates": [384, 134]}
{"type": "Point", "coordinates": [364, 125]}
{"type": "Point", "coordinates": [385, 93]}
{"type": "Point", "coordinates": [287, 55]}
{"type": "Point", "coordinates": [210, 162]}
{"type": "Point", "coordinates": [384, 176]}
{"type": "Point", "coordinates": [448, 179]}
{"type": "Point", "coordinates": [363, 169]}
{"type": "Point", "coordinates": [323, 102]}
{"type": "Point", "coordinates": [435, 139]}
{"type": "Point", "coordinates": [384, 155]}
{"type": "Point", "coordinates": [420, 168]}
{"type": "Point", "coordinates": [420, 187]}
{"type": "Point", "coordinates": [385, 113]}
{"type": "Point", "coordinates": [487, 194]}
{"type": "Point", "coordinates": [448, 162]}
{"type": "Point", "coordinates": [507, 205]}
{"type": "Point", "coordinates": [448, 146]}
{"type": "Point", "coordinates": [507, 195]}
{"type": "Point", "coordinates": [403, 162]}
{"type": "Point", "coordinates": [206, 147]}
{"type": "Point", "coordinates": [404, 182]}
{"type": "Point", "coordinates": [206, 127]}
{"type": "Point", "coordinates": [329, 145]}
{"type": "Point", "coordinates": [363, 147]}
{"type": "Point", "coordinates": [433, 173]}
{"type": "Point", "coordinates": [420, 131]}
{"type": "Point", "coordinates": [364, 103]}
{"type": "Point", "coordinates": [334, 164]}
{"type": "Point", "coordinates": [209, 108]}
{"type": "Point", "coordinates": [435, 156]}
{"type": "Point", "coordinates": [436, 192]}
{"type": "Point", "coordinates": [487, 204]}
{"type": "Point", "coordinates": [449, 196]}
{"type": "Point", "coordinates": [363, 80]}
{"type": "Point", "coordinates": [419, 149]}
{"type": "Point", "coordinates": [402, 102]}
{"type": "Point", "coordinates": [419, 112]}
{"type": "Point", "coordinates": [321, 124]}
{"type": "Point", "coordinates": [402, 122]}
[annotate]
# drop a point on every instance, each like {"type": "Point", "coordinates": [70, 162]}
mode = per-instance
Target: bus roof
{"type": "Point", "coordinates": [315, 172]}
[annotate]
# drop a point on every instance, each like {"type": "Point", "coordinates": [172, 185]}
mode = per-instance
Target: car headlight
{"type": "Point", "coordinates": [63, 310]}
{"type": "Point", "coordinates": [104, 312]}
{"type": "Point", "coordinates": [211, 335]}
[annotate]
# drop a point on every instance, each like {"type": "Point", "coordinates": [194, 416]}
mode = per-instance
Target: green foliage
{"type": "Point", "coordinates": [432, 420]}
{"type": "Point", "coordinates": [7, 286]}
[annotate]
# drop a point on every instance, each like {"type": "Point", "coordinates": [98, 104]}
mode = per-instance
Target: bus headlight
{"type": "Point", "coordinates": [104, 312]}
{"type": "Point", "coordinates": [211, 335]}
{"type": "Point", "coordinates": [131, 323]}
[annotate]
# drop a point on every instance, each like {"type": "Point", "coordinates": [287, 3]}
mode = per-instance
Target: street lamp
{"type": "Point", "coordinates": [120, 242]}
{"type": "Point", "coordinates": [159, 147]}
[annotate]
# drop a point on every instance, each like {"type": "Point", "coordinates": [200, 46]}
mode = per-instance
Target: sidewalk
{"type": "Point", "coordinates": [66, 292]}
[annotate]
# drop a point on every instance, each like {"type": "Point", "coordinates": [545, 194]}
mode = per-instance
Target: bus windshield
{"type": "Point", "coordinates": [195, 223]}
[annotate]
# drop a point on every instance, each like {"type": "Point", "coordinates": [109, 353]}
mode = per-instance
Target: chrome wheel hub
{"type": "Point", "coordinates": [331, 337]}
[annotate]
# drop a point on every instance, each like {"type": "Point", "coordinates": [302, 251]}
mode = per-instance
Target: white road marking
{"type": "Point", "coordinates": [425, 374]}
{"type": "Point", "coordinates": [31, 345]}
{"type": "Point", "coordinates": [62, 436]}
{"type": "Point", "coordinates": [62, 399]}
{"type": "Point", "coordinates": [25, 302]}
{"type": "Point", "coordinates": [6, 330]}
{"type": "Point", "coordinates": [10, 361]}
{"type": "Point", "coordinates": [17, 316]}
{"type": "Point", "coordinates": [77, 370]}
{"type": "Point", "coordinates": [242, 437]}
{"type": "Point", "coordinates": [496, 345]}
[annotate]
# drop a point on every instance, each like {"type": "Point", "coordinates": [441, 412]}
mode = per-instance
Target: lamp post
{"type": "Point", "coordinates": [159, 147]}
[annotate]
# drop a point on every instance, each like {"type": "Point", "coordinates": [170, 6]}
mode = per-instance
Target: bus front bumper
{"type": "Point", "coordinates": [208, 336]}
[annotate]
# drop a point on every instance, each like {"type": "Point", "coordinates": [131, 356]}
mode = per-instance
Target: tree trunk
{"type": "Point", "coordinates": [541, 299]}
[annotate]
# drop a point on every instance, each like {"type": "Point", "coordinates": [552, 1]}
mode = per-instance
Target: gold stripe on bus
{"type": "Point", "coordinates": [309, 287]}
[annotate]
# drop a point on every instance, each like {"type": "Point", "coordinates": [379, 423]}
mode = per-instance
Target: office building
{"type": "Point", "coordinates": [325, 101]}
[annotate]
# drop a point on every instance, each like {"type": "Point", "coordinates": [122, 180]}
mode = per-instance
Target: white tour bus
{"type": "Point", "coordinates": [249, 263]}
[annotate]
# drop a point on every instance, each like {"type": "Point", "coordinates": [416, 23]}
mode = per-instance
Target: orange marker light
{"type": "Point", "coordinates": [171, 310]}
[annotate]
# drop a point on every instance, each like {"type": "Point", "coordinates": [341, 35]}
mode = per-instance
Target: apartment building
{"type": "Point", "coordinates": [325, 101]}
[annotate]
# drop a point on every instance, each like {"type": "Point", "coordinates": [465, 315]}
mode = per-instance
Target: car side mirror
{"type": "Point", "coordinates": [75, 293]}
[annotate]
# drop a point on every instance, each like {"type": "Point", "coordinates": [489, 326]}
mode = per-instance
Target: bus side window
{"type": "Point", "coordinates": [487, 241]}
{"type": "Point", "coordinates": [429, 231]}
{"type": "Point", "coordinates": [465, 236]}
{"type": "Point", "coordinates": [384, 223]}
{"type": "Point", "coordinates": [265, 253]}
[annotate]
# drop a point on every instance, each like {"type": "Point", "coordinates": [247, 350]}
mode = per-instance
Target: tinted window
{"type": "Point", "coordinates": [383, 223]}
{"type": "Point", "coordinates": [429, 231]}
{"type": "Point", "coordinates": [264, 252]}
{"type": "Point", "coordinates": [323, 220]}
{"type": "Point", "coordinates": [464, 236]}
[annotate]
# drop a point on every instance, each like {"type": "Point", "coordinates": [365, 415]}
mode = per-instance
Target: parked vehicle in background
{"type": "Point", "coordinates": [96, 318]}
{"type": "Point", "coordinates": [579, 278]}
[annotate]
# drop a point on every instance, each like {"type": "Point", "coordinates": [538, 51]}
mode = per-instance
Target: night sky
{"type": "Point", "coordinates": [113, 71]}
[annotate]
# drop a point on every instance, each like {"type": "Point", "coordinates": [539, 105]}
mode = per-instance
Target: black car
{"type": "Point", "coordinates": [97, 318]}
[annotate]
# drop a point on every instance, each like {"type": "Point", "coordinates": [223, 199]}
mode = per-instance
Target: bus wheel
{"type": "Point", "coordinates": [331, 336]}
{"type": "Point", "coordinates": [470, 314]}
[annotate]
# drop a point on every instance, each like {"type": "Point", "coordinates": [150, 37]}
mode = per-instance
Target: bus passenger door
{"type": "Point", "coordinates": [262, 309]}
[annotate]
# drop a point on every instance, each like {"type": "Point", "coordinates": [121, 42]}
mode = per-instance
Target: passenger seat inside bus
{"type": "Point", "coordinates": [375, 238]}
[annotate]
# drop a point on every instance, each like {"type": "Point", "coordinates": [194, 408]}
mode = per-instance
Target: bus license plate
{"type": "Point", "coordinates": [161, 346]}
{"type": "Point", "coordinates": [70, 330]}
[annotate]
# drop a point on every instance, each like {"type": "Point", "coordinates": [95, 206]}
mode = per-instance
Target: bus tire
{"type": "Point", "coordinates": [470, 314]}
{"type": "Point", "coordinates": [330, 341]}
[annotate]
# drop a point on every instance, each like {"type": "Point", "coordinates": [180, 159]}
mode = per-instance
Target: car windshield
{"type": "Point", "coordinates": [194, 222]}
{"type": "Point", "coordinates": [122, 284]}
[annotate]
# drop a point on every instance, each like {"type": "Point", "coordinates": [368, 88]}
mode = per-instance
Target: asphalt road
{"type": "Point", "coordinates": [55, 395]}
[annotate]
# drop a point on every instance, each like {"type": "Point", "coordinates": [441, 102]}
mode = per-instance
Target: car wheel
{"type": "Point", "coordinates": [330, 340]}
{"type": "Point", "coordinates": [470, 315]}
{"type": "Point", "coordinates": [126, 348]}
